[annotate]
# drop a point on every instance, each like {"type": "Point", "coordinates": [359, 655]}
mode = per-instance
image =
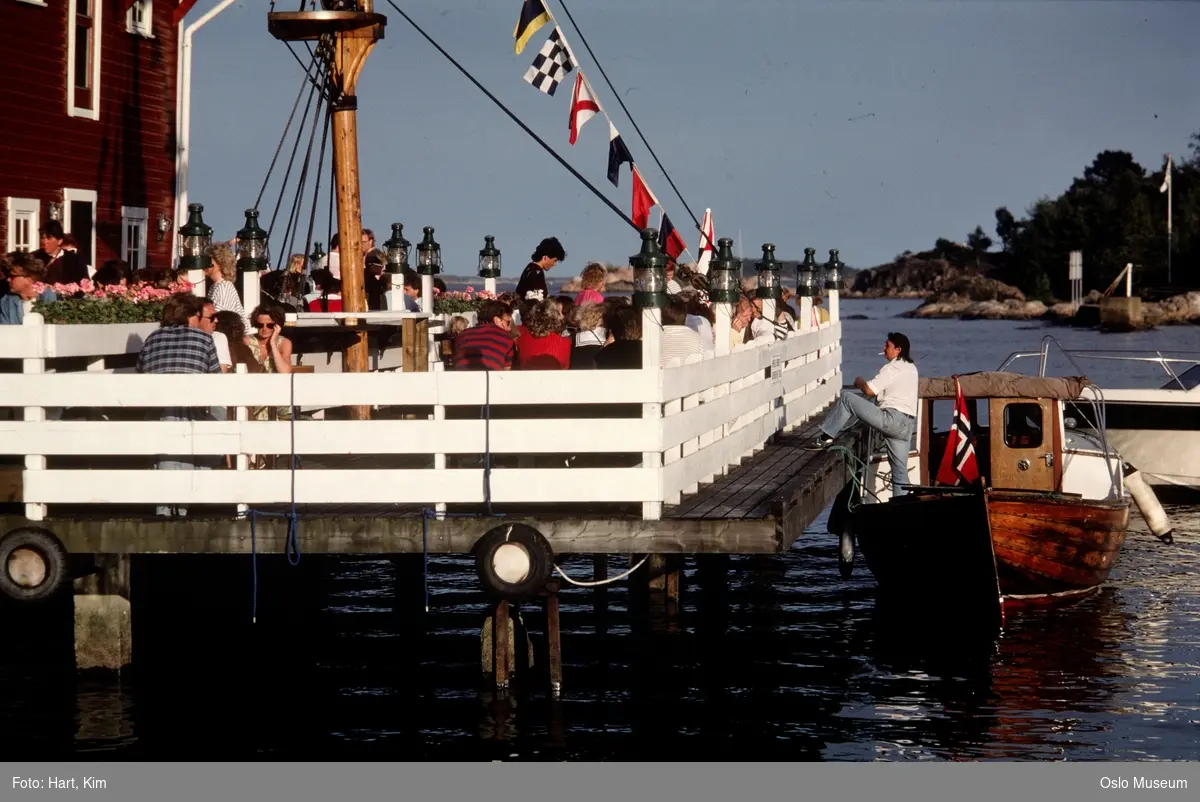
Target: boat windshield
{"type": "Point", "coordinates": [1181, 369]}
{"type": "Point", "coordinates": [1188, 380]}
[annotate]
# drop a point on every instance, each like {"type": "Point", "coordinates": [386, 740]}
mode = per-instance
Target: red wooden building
{"type": "Point", "coordinates": [88, 125]}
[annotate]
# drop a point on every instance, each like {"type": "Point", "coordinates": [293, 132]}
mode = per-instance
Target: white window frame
{"type": "Point", "coordinates": [29, 210]}
{"type": "Point", "coordinates": [143, 27]}
{"type": "Point", "coordinates": [33, 3]}
{"type": "Point", "coordinates": [83, 195]}
{"type": "Point", "coordinates": [130, 216]}
{"type": "Point", "coordinates": [97, 28]}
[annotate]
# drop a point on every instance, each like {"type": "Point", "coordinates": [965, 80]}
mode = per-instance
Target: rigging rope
{"type": "Point", "coordinates": [616, 209]}
{"type": "Point", "coordinates": [617, 95]}
{"type": "Point", "coordinates": [279, 147]}
{"type": "Point", "coordinates": [312, 217]}
{"type": "Point", "coordinates": [291, 163]}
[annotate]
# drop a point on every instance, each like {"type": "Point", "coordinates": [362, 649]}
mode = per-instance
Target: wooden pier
{"type": "Point", "coordinates": [700, 457]}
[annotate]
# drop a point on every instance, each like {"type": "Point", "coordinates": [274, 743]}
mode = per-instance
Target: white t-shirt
{"type": "Point", "coordinates": [221, 342]}
{"type": "Point", "coordinates": [701, 326]}
{"type": "Point", "coordinates": [895, 386]}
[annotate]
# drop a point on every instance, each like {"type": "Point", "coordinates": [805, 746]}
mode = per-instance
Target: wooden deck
{"type": "Point", "coordinates": [761, 506]}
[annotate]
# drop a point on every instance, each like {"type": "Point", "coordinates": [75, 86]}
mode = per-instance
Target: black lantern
{"type": "Point", "coordinates": [397, 250]}
{"type": "Point", "coordinates": [649, 273]}
{"type": "Point", "coordinates": [808, 275]}
{"type": "Point", "coordinates": [314, 258]}
{"type": "Point", "coordinates": [252, 245]}
{"type": "Point", "coordinates": [489, 258]}
{"type": "Point", "coordinates": [195, 237]}
{"type": "Point", "coordinates": [769, 284]}
{"type": "Point", "coordinates": [725, 274]}
{"type": "Point", "coordinates": [833, 271]}
{"type": "Point", "coordinates": [429, 255]}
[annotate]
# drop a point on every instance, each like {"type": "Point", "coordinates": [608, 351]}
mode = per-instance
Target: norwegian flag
{"type": "Point", "coordinates": [550, 65]}
{"type": "Point", "coordinates": [583, 105]}
{"type": "Point", "coordinates": [958, 462]}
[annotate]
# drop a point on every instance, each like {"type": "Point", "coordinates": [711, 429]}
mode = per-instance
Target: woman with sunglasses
{"type": "Point", "coordinates": [271, 349]}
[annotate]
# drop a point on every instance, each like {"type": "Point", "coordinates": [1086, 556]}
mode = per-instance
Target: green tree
{"type": "Point", "coordinates": [978, 242]}
{"type": "Point", "coordinates": [1006, 228]}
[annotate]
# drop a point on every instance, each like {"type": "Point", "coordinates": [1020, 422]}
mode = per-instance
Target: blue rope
{"type": "Point", "coordinates": [292, 545]}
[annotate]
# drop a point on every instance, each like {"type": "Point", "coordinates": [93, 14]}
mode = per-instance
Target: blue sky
{"type": "Point", "coordinates": [872, 127]}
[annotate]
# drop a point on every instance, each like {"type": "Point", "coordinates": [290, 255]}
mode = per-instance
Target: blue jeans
{"type": "Point", "coordinates": [895, 426]}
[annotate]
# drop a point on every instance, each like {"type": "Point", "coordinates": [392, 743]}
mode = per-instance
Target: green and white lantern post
{"type": "Point", "coordinates": [833, 284]}
{"type": "Point", "coordinates": [808, 286]}
{"type": "Point", "coordinates": [650, 294]}
{"type": "Point", "coordinates": [724, 289]}
{"type": "Point", "coordinates": [252, 257]}
{"type": "Point", "coordinates": [194, 238]}
{"type": "Point", "coordinates": [489, 263]}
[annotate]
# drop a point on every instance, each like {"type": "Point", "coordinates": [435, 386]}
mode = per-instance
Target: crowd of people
{"type": "Point", "coordinates": [532, 330]}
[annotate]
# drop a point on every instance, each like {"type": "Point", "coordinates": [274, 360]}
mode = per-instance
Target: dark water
{"type": "Point", "coordinates": [765, 657]}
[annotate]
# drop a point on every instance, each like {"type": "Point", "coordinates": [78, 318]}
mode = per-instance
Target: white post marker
{"type": "Point", "coordinates": [652, 360]}
{"type": "Point", "coordinates": [251, 294]}
{"type": "Point", "coordinates": [489, 285]}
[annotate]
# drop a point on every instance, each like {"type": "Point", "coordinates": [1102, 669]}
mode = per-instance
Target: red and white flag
{"type": "Point", "coordinates": [958, 462]}
{"type": "Point", "coordinates": [584, 105]}
{"type": "Point", "coordinates": [708, 241]}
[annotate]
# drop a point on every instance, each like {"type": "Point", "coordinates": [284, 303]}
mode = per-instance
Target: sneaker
{"type": "Point", "coordinates": [821, 442]}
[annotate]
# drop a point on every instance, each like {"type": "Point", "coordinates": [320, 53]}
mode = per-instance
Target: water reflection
{"type": "Point", "coordinates": [763, 658]}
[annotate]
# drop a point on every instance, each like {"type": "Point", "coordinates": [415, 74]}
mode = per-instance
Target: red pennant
{"type": "Point", "coordinates": [958, 461]}
{"type": "Point", "coordinates": [643, 201]}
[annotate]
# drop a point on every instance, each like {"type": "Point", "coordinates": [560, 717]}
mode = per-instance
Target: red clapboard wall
{"type": "Point", "coordinates": [87, 107]}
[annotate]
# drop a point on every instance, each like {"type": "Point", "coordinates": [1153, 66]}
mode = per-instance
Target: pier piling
{"type": "Point", "coordinates": [103, 634]}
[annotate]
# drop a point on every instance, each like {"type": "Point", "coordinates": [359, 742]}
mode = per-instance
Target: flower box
{"type": "Point", "coordinates": [85, 303]}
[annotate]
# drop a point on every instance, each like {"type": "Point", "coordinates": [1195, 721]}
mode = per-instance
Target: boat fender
{"type": "Point", "coordinates": [33, 565]}
{"type": "Point", "coordinates": [1148, 505]}
{"type": "Point", "coordinates": [846, 553]}
{"type": "Point", "coordinates": [840, 511]}
{"type": "Point", "coordinates": [513, 561]}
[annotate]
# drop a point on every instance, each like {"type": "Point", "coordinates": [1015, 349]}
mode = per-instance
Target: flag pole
{"type": "Point", "coordinates": [1169, 237]}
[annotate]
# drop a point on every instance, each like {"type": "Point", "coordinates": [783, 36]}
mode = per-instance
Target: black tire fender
{"type": "Point", "coordinates": [495, 553]}
{"type": "Point", "coordinates": [33, 565]}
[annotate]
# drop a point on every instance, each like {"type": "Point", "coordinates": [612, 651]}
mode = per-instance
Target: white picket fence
{"type": "Point", "coordinates": [697, 419]}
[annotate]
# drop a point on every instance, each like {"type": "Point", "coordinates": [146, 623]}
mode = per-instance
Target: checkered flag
{"type": "Point", "coordinates": [550, 65]}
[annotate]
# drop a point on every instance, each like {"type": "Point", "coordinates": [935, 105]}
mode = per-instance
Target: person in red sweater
{"type": "Point", "coordinates": [540, 344]}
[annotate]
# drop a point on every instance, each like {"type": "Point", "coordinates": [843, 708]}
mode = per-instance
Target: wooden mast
{"type": "Point", "coordinates": [349, 37]}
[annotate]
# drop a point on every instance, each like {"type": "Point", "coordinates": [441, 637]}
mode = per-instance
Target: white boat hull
{"type": "Point", "coordinates": [1164, 456]}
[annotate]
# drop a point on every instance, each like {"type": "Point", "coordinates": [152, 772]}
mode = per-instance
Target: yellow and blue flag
{"type": "Point", "coordinates": [533, 16]}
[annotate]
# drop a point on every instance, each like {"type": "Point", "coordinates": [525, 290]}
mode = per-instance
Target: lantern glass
{"type": "Point", "coordinates": [397, 250]}
{"type": "Point", "coordinates": [194, 237]}
{"type": "Point", "coordinates": [769, 283]}
{"type": "Point", "coordinates": [808, 274]}
{"type": "Point", "coordinates": [725, 274]}
{"type": "Point", "coordinates": [649, 273]}
{"type": "Point", "coordinates": [833, 271]}
{"type": "Point", "coordinates": [252, 244]}
{"type": "Point", "coordinates": [489, 258]}
{"type": "Point", "coordinates": [316, 256]}
{"type": "Point", "coordinates": [429, 254]}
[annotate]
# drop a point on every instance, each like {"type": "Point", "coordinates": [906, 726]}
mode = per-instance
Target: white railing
{"type": "Point", "coordinates": [695, 421]}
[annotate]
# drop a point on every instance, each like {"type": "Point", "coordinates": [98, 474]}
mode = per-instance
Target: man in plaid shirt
{"type": "Point", "coordinates": [180, 346]}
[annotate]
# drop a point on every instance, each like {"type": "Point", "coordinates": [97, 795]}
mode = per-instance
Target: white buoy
{"type": "Point", "coordinates": [1147, 504]}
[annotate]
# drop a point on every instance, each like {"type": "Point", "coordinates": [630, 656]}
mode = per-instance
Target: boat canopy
{"type": "Point", "coordinates": [995, 384]}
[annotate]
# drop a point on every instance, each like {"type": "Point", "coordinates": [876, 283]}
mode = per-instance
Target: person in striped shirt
{"type": "Point", "coordinates": [679, 341]}
{"type": "Point", "coordinates": [222, 291]}
{"type": "Point", "coordinates": [488, 345]}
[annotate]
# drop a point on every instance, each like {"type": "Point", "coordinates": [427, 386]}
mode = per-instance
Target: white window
{"type": "Point", "coordinates": [133, 236]}
{"type": "Point", "coordinates": [140, 18]}
{"type": "Point", "coordinates": [23, 224]}
{"type": "Point", "coordinates": [83, 58]}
